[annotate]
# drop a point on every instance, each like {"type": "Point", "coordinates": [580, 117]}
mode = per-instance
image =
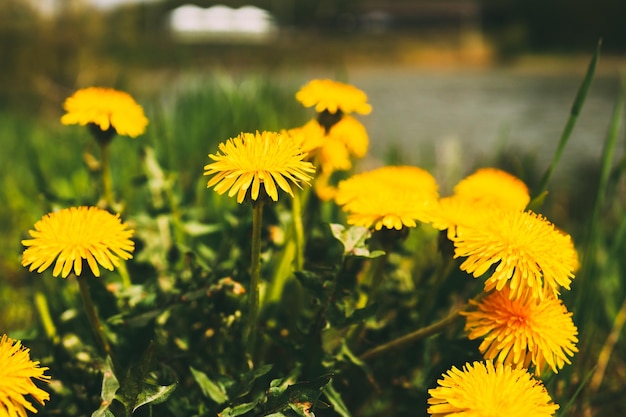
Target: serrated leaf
{"type": "Point", "coordinates": [208, 387]}
{"type": "Point", "coordinates": [238, 409]}
{"type": "Point", "coordinates": [336, 401]}
{"type": "Point", "coordinates": [354, 240]}
{"type": "Point", "coordinates": [247, 379]}
{"type": "Point", "coordinates": [110, 385]}
{"type": "Point", "coordinates": [154, 394]}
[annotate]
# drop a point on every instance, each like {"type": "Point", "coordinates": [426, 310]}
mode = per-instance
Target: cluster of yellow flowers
{"type": "Point", "coordinates": [524, 258]}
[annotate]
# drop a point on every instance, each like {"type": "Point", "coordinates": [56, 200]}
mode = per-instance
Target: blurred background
{"type": "Point", "coordinates": [476, 74]}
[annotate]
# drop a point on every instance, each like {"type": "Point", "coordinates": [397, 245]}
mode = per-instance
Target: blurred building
{"type": "Point", "coordinates": [191, 23]}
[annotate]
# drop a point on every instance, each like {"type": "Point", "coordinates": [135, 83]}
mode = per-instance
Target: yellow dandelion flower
{"type": "Point", "coordinates": [392, 197]}
{"type": "Point", "coordinates": [250, 160]}
{"type": "Point", "coordinates": [523, 331]}
{"type": "Point", "coordinates": [487, 390]}
{"type": "Point", "coordinates": [106, 108]}
{"type": "Point", "coordinates": [529, 254]}
{"type": "Point", "coordinates": [17, 372]}
{"type": "Point", "coordinates": [495, 187]}
{"type": "Point", "coordinates": [353, 134]}
{"type": "Point", "coordinates": [333, 96]}
{"type": "Point", "coordinates": [452, 211]}
{"type": "Point", "coordinates": [308, 137]}
{"type": "Point", "coordinates": [72, 235]}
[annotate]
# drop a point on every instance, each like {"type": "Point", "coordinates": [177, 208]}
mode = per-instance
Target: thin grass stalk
{"type": "Point", "coordinates": [41, 303]}
{"type": "Point", "coordinates": [607, 349]}
{"type": "Point", "coordinates": [593, 233]}
{"type": "Point", "coordinates": [255, 278]}
{"type": "Point", "coordinates": [415, 335]}
{"type": "Point", "coordinates": [569, 126]}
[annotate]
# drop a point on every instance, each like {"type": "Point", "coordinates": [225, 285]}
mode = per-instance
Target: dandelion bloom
{"type": "Point", "coordinates": [452, 211]}
{"type": "Point", "coordinates": [487, 390]}
{"type": "Point", "coordinates": [392, 197]}
{"type": "Point", "coordinates": [486, 189]}
{"type": "Point", "coordinates": [494, 187]}
{"type": "Point", "coordinates": [529, 254]}
{"type": "Point", "coordinates": [523, 331]}
{"type": "Point", "coordinates": [252, 159]}
{"type": "Point", "coordinates": [72, 235]}
{"type": "Point", "coordinates": [16, 379]}
{"type": "Point", "coordinates": [106, 108]}
{"type": "Point", "coordinates": [333, 96]}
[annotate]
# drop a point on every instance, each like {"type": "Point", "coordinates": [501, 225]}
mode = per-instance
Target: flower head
{"type": "Point", "coordinates": [484, 190]}
{"type": "Point", "coordinates": [106, 108]}
{"type": "Point", "coordinates": [253, 159]}
{"type": "Point", "coordinates": [487, 390]}
{"type": "Point", "coordinates": [17, 372]}
{"type": "Point", "coordinates": [392, 197]}
{"type": "Point", "coordinates": [494, 187]}
{"type": "Point", "coordinates": [529, 254]}
{"type": "Point", "coordinates": [333, 96]}
{"type": "Point", "coordinates": [524, 331]}
{"type": "Point", "coordinates": [72, 235]}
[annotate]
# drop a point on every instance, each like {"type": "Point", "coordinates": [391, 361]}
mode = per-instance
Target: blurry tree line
{"type": "Point", "coordinates": [42, 58]}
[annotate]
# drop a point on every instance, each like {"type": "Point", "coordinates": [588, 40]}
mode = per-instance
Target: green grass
{"type": "Point", "coordinates": [177, 329]}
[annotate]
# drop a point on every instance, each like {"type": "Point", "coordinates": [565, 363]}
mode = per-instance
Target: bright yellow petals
{"type": "Point", "coordinates": [526, 251]}
{"type": "Point", "coordinates": [253, 159]}
{"type": "Point", "coordinates": [72, 235]}
{"type": "Point", "coordinates": [332, 96]}
{"type": "Point", "coordinates": [352, 134]}
{"type": "Point", "coordinates": [524, 331]}
{"type": "Point", "coordinates": [450, 212]}
{"type": "Point", "coordinates": [309, 137]}
{"type": "Point", "coordinates": [489, 390]}
{"type": "Point", "coordinates": [17, 372]}
{"type": "Point", "coordinates": [105, 107]}
{"type": "Point", "coordinates": [392, 197]}
{"type": "Point", "coordinates": [494, 187]}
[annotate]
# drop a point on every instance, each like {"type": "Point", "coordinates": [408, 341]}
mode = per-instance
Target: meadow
{"type": "Point", "coordinates": [299, 307]}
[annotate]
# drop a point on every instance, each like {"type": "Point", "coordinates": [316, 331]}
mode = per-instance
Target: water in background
{"type": "Point", "coordinates": [454, 117]}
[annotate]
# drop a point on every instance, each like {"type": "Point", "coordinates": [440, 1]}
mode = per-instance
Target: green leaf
{"type": "Point", "coordinates": [154, 394]}
{"type": "Point", "coordinates": [247, 379]}
{"type": "Point", "coordinates": [209, 388]}
{"type": "Point", "coordinates": [110, 385]}
{"type": "Point", "coordinates": [354, 240]}
{"type": "Point", "coordinates": [195, 229]}
{"type": "Point", "coordinates": [335, 399]}
{"type": "Point", "coordinates": [238, 409]}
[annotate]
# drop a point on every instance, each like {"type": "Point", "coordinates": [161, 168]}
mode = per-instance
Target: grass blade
{"type": "Point", "coordinates": [571, 122]}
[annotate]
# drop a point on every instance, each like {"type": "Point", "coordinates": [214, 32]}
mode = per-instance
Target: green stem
{"type": "Point", "coordinates": [298, 230]}
{"type": "Point", "coordinates": [255, 278]}
{"type": "Point", "coordinates": [373, 279]}
{"type": "Point", "coordinates": [92, 315]}
{"type": "Point", "coordinates": [418, 334]}
{"type": "Point", "coordinates": [105, 173]}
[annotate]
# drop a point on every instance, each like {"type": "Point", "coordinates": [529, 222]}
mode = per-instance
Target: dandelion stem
{"type": "Point", "coordinates": [92, 315]}
{"type": "Point", "coordinates": [255, 272]}
{"type": "Point", "coordinates": [415, 335]}
{"type": "Point", "coordinates": [105, 173]}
